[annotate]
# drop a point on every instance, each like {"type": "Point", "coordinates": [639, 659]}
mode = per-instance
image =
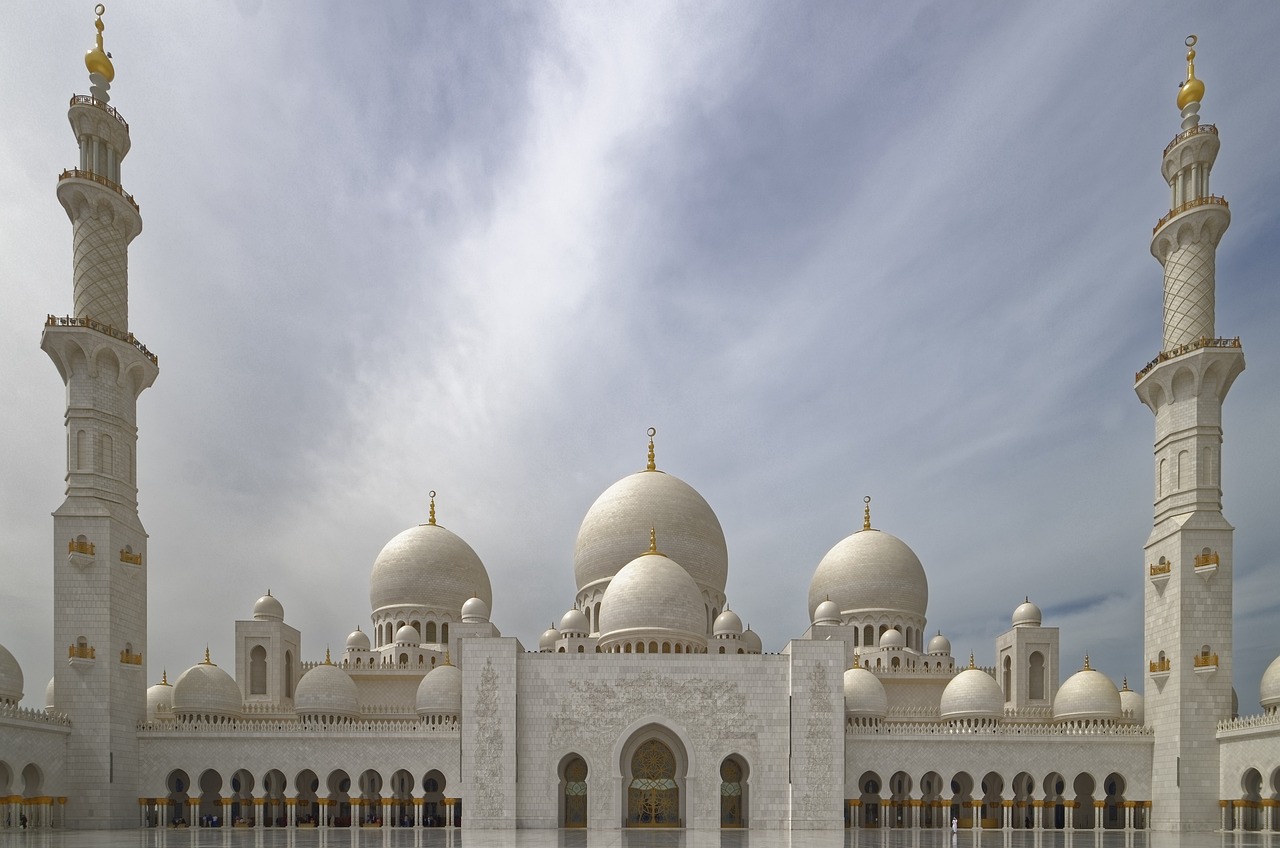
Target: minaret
{"type": "Point", "coordinates": [100, 548]}
{"type": "Point", "coordinates": [1187, 573]}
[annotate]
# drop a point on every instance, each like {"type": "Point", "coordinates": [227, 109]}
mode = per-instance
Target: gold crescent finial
{"type": "Point", "coordinates": [652, 466]}
{"type": "Point", "coordinates": [1086, 663]}
{"type": "Point", "coordinates": [971, 665]}
{"type": "Point", "coordinates": [866, 513]}
{"type": "Point", "coordinates": [653, 540]}
{"type": "Point", "coordinates": [1192, 89]}
{"type": "Point", "coordinates": [207, 661]}
{"type": "Point", "coordinates": [327, 659]}
{"type": "Point", "coordinates": [164, 677]}
{"type": "Point", "coordinates": [431, 516]}
{"type": "Point", "coordinates": [96, 59]}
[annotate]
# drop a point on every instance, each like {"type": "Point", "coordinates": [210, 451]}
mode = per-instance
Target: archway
{"type": "Point", "coordinates": [899, 813]}
{"type": "Point", "coordinates": [1247, 817]}
{"type": "Point", "coordinates": [401, 814]}
{"type": "Point", "coordinates": [242, 798]}
{"type": "Point", "coordinates": [370, 797]}
{"type": "Point", "coordinates": [210, 799]}
{"type": "Point", "coordinates": [962, 799]}
{"type": "Point", "coordinates": [733, 792]}
{"type": "Point", "coordinates": [869, 799]}
{"type": "Point", "coordinates": [306, 791]}
{"type": "Point", "coordinates": [1055, 808]}
{"type": "Point", "coordinates": [339, 786]}
{"type": "Point", "coordinates": [177, 784]}
{"type": "Point", "coordinates": [433, 814]}
{"type": "Point", "coordinates": [653, 791]}
{"type": "Point", "coordinates": [1023, 809]}
{"type": "Point", "coordinates": [273, 807]}
{"type": "Point", "coordinates": [992, 813]}
{"type": "Point", "coordinates": [1084, 813]}
{"type": "Point", "coordinates": [573, 792]}
{"type": "Point", "coordinates": [931, 812]}
{"type": "Point", "coordinates": [1113, 804]}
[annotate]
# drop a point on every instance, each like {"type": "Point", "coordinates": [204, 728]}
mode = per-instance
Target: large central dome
{"type": "Point", "coordinates": [428, 566]}
{"type": "Point", "coordinates": [618, 525]}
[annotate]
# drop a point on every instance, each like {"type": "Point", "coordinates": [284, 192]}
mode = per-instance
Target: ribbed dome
{"type": "Point", "coordinates": [267, 608]}
{"type": "Point", "coordinates": [1132, 702]}
{"type": "Point", "coordinates": [864, 695]}
{"type": "Point", "coordinates": [1027, 615]}
{"type": "Point", "coordinates": [10, 677]}
{"type": "Point", "coordinates": [160, 701]}
{"type": "Point", "coordinates": [547, 641]}
{"type": "Point", "coordinates": [940, 645]}
{"type": "Point", "coordinates": [1269, 691]}
{"type": "Point", "coordinates": [408, 635]}
{"type": "Point", "coordinates": [327, 690]}
{"type": "Point", "coordinates": [727, 623]}
{"type": "Point", "coordinates": [475, 611]}
{"type": "Point", "coordinates": [892, 638]}
{"type": "Point", "coordinates": [205, 689]}
{"type": "Point", "coordinates": [428, 566]}
{"type": "Point", "coordinates": [828, 612]}
{"type": "Point", "coordinates": [1087, 695]}
{"type": "Point", "coordinates": [618, 524]}
{"type": "Point", "coordinates": [870, 570]}
{"type": "Point", "coordinates": [653, 593]}
{"type": "Point", "coordinates": [751, 642]}
{"type": "Point", "coordinates": [358, 640]}
{"type": "Point", "coordinates": [574, 623]}
{"type": "Point", "coordinates": [972, 694]}
{"type": "Point", "coordinates": [440, 692]}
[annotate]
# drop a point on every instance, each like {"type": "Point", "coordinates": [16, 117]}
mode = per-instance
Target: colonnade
{"type": "Point", "coordinates": [43, 811]}
{"type": "Point", "coordinates": [1037, 814]}
{"type": "Point", "coordinates": [1246, 815]}
{"type": "Point", "coordinates": [159, 811]}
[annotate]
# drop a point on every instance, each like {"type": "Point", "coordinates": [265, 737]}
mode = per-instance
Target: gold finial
{"type": "Point", "coordinates": [1192, 89]}
{"type": "Point", "coordinates": [866, 513]}
{"type": "Point", "coordinates": [207, 661]}
{"type": "Point", "coordinates": [971, 665]}
{"type": "Point", "coordinates": [446, 657]}
{"type": "Point", "coordinates": [431, 515]}
{"type": "Point", "coordinates": [164, 677]}
{"type": "Point", "coordinates": [1125, 686]}
{"type": "Point", "coordinates": [653, 543]}
{"type": "Point", "coordinates": [855, 660]}
{"type": "Point", "coordinates": [328, 660]}
{"type": "Point", "coordinates": [1086, 663]}
{"type": "Point", "coordinates": [96, 59]}
{"type": "Point", "coordinates": [652, 466]}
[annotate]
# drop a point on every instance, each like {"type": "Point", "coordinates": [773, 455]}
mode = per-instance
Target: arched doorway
{"type": "Point", "coordinates": [1084, 813]}
{"type": "Point", "coordinates": [339, 785]}
{"type": "Point", "coordinates": [307, 813]}
{"type": "Point", "coordinates": [962, 799]}
{"type": "Point", "coordinates": [242, 811]}
{"type": "Point", "coordinates": [273, 808]}
{"type": "Point", "coordinates": [1023, 809]}
{"type": "Point", "coordinates": [370, 798]}
{"type": "Point", "coordinates": [653, 796]}
{"type": "Point", "coordinates": [1247, 817]}
{"type": "Point", "coordinates": [433, 812]}
{"type": "Point", "coordinates": [869, 799]}
{"type": "Point", "coordinates": [573, 792]}
{"type": "Point", "coordinates": [401, 814]}
{"type": "Point", "coordinates": [733, 792]}
{"type": "Point", "coordinates": [177, 785]}
{"type": "Point", "coordinates": [210, 798]}
{"type": "Point", "coordinates": [899, 812]}
{"type": "Point", "coordinates": [992, 813]}
{"type": "Point", "coordinates": [931, 810]}
{"type": "Point", "coordinates": [1055, 808]}
{"type": "Point", "coordinates": [1113, 806]}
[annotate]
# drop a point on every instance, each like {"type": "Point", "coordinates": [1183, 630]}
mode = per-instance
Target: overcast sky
{"type": "Point", "coordinates": [827, 251]}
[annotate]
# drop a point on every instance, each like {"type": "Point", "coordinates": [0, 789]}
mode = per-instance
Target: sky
{"type": "Point", "coordinates": [827, 250]}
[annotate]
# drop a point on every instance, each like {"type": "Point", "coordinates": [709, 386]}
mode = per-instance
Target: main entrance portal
{"type": "Point", "coordinates": [653, 799]}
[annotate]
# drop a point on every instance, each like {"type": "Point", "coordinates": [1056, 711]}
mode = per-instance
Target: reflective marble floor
{"type": "Point", "coordinates": [395, 838]}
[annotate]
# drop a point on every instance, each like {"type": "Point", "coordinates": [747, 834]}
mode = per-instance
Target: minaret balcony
{"type": "Point", "coordinates": [81, 655]}
{"type": "Point", "coordinates": [1193, 203]}
{"type": "Point", "coordinates": [79, 174]}
{"type": "Point", "coordinates": [1180, 350]}
{"type": "Point", "coordinates": [1160, 574]}
{"type": "Point", "coordinates": [128, 657]}
{"type": "Point", "coordinates": [129, 557]}
{"type": "Point", "coordinates": [1206, 565]}
{"type": "Point", "coordinates": [105, 329]}
{"type": "Point", "coordinates": [1204, 663]}
{"type": "Point", "coordinates": [90, 100]}
{"type": "Point", "coordinates": [1182, 136]}
{"type": "Point", "coordinates": [80, 553]}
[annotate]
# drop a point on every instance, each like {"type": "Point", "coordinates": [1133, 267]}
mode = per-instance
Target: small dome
{"type": "Point", "coordinates": [617, 524]}
{"type": "Point", "coordinates": [160, 701]}
{"type": "Point", "coordinates": [893, 638]}
{"type": "Point", "coordinates": [751, 642]}
{"type": "Point", "coordinates": [1269, 691]}
{"type": "Point", "coordinates": [268, 608]}
{"type": "Point", "coordinates": [828, 612]}
{"type": "Point", "coordinates": [10, 678]}
{"type": "Point", "coordinates": [972, 694]}
{"type": "Point", "coordinates": [574, 623]}
{"type": "Point", "coordinates": [870, 571]}
{"type": "Point", "coordinates": [50, 697]}
{"type": "Point", "coordinates": [864, 695]}
{"type": "Point", "coordinates": [547, 641]}
{"type": "Point", "coordinates": [1131, 702]}
{"type": "Point", "coordinates": [327, 690]}
{"type": "Point", "coordinates": [727, 624]}
{"type": "Point", "coordinates": [475, 611]}
{"type": "Point", "coordinates": [428, 566]}
{"type": "Point", "coordinates": [653, 595]}
{"type": "Point", "coordinates": [940, 645]}
{"type": "Point", "coordinates": [1087, 695]}
{"type": "Point", "coordinates": [408, 635]}
{"type": "Point", "coordinates": [358, 640]}
{"type": "Point", "coordinates": [440, 692]}
{"type": "Point", "coordinates": [1027, 615]}
{"type": "Point", "coordinates": [205, 689]}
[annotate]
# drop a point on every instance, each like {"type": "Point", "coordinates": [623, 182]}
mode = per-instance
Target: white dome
{"type": "Point", "coordinates": [1132, 702]}
{"type": "Point", "coordinates": [408, 635]}
{"type": "Point", "coordinates": [547, 641]}
{"type": "Point", "coordinates": [440, 692]}
{"type": "Point", "coordinates": [870, 571]}
{"type": "Point", "coordinates": [1269, 691]}
{"type": "Point", "coordinates": [358, 640]}
{"type": "Point", "coordinates": [428, 566]}
{"type": "Point", "coordinates": [267, 608]}
{"type": "Point", "coordinates": [326, 690]}
{"type": "Point", "coordinates": [940, 645]}
{"type": "Point", "coordinates": [1027, 615]}
{"type": "Point", "coordinates": [475, 611]}
{"type": "Point", "coordinates": [205, 689]}
{"type": "Point", "coordinates": [864, 695]}
{"type": "Point", "coordinates": [50, 697]}
{"type": "Point", "coordinates": [617, 526]}
{"type": "Point", "coordinates": [1087, 695]}
{"type": "Point", "coordinates": [751, 642]}
{"type": "Point", "coordinates": [574, 623]}
{"type": "Point", "coordinates": [653, 596]}
{"type": "Point", "coordinates": [160, 701]}
{"type": "Point", "coordinates": [727, 624]}
{"type": "Point", "coordinates": [893, 638]}
{"type": "Point", "coordinates": [827, 612]}
{"type": "Point", "coordinates": [10, 677]}
{"type": "Point", "coordinates": [972, 694]}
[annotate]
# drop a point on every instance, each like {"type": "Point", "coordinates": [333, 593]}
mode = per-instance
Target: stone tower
{"type": "Point", "coordinates": [1187, 572]}
{"type": "Point", "coordinates": [100, 548]}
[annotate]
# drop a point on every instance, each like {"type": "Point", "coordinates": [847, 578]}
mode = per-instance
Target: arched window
{"type": "Point", "coordinates": [1008, 679]}
{"type": "Point", "coordinates": [82, 448]}
{"type": "Point", "coordinates": [106, 455]}
{"type": "Point", "coordinates": [444, 632]}
{"type": "Point", "coordinates": [288, 674]}
{"type": "Point", "coordinates": [1035, 676]}
{"type": "Point", "coordinates": [430, 632]}
{"type": "Point", "coordinates": [258, 670]}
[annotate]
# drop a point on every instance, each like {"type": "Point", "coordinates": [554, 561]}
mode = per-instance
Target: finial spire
{"type": "Point", "coordinates": [866, 513]}
{"type": "Point", "coordinates": [164, 677]}
{"type": "Point", "coordinates": [1086, 664]}
{"type": "Point", "coordinates": [1125, 686]}
{"type": "Point", "coordinates": [652, 466]}
{"type": "Point", "coordinates": [1192, 89]}
{"type": "Point", "coordinates": [971, 664]}
{"type": "Point", "coordinates": [328, 660]}
{"type": "Point", "coordinates": [653, 541]}
{"type": "Point", "coordinates": [431, 514]}
{"type": "Point", "coordinates": [446, 657]}
{"type": "Point", "coordinates": [207, 661]}
{"type": "Point", "coordinates": [98, 61]}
